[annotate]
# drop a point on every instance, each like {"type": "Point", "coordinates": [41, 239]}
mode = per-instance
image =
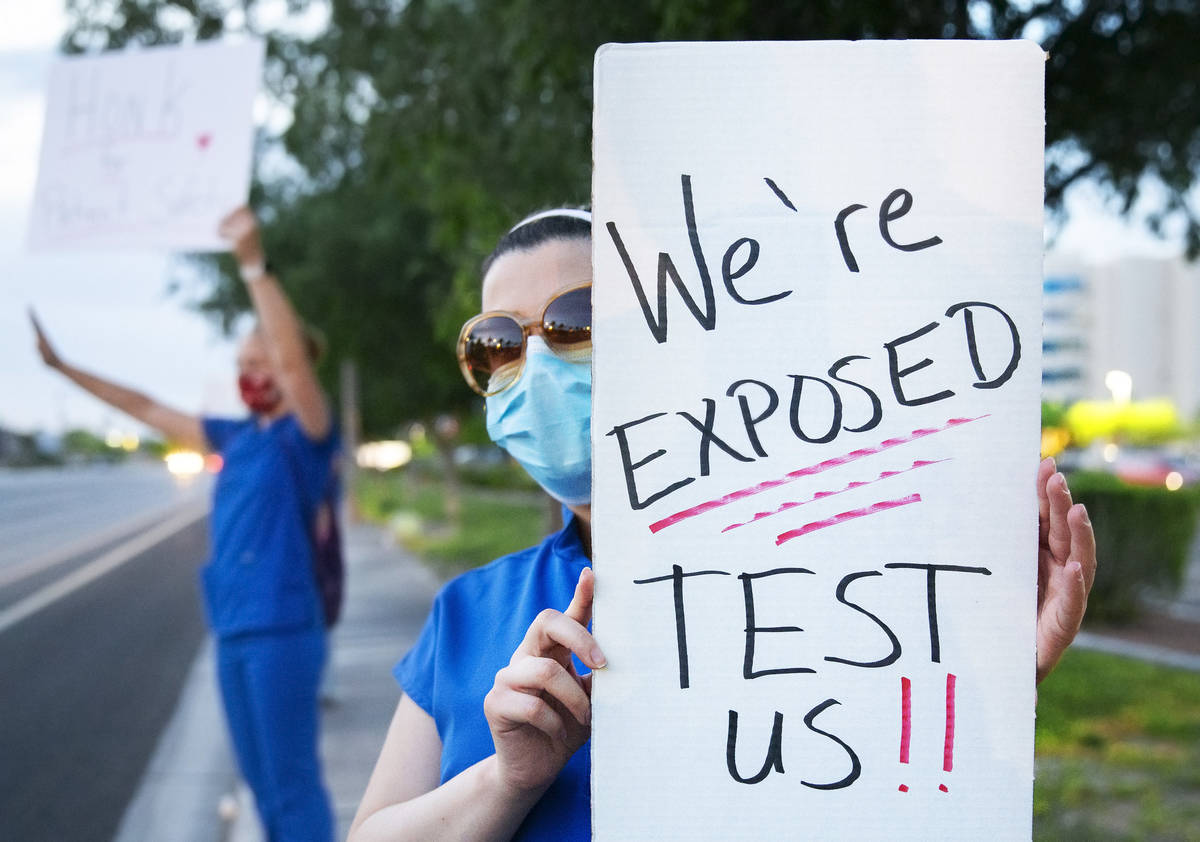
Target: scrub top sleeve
{"type": "Point", "coordinates": [313, 461]}
{"type": "Point", "coordinates": [417, 671]}
{"type": "Point", "coordinates": [218, 431]}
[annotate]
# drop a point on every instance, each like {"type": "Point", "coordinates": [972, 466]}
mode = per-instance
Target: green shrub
{"type": "Point", "coordinates": [1142, 539]}
{"type": "Point", "coordinates": [493, 521]}
{"type": "Point", "coordinates": [505, 475]}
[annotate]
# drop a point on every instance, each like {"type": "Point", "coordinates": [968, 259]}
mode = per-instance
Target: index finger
{"type": "Point", "coordinates": [580, 609]}
{"type": "Point", "coordinates": [1045, 470]}
{"type": "Point", "coordinates": [555, 635]}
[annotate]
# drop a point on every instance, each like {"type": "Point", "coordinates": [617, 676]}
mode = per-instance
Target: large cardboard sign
{"type": "Point", "coordinates": [817, 309]}
{"type": "Point", "coordinates": [146, 149]}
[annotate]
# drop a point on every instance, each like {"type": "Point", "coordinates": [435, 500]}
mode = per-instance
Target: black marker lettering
{"type": "Point", "coordinates": [753, 422]}
{"type": "Point", "coordinates": [707, 436]}
{"type": "Point", "coordinates": [891, 657]}
{"type": "Point", "coordinates": [835, 425]}
{"type": "Point", "coordinates": [973, 349]}
{"type": "Point", "coordinates": [895, 372]}
{"type": "Point", "coordinates": [855, 765]}
{"type": "Point", "coordinates": [666, 267]}
{"type": "Point", "coordinates": [774, 751]}
{"type": "Point", "coordinates": [886, 215]}
{"type": "Point", "coordinates": [748, 670]}
{"type": "Point", "coordinates": [676, 578]}
{"type": "Point", "coordinates": [629, 466]}
{"type": "Point", "coordinates": [779, 193]}
{"type": "Point", "coordinates": [935, 646]}
{"type": "Point", "coordinates": [729, 276]}
{"type": "Point", "coordinates": [876, 407]}
{"type": "Point", "coordinates": [839, 225]}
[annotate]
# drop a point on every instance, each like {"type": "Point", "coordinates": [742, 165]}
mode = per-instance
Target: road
{"type": "Point", "coordinates": [99, 622]}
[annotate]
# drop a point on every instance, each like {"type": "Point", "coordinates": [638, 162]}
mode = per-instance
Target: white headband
{"type": "Point", "coordinates": [574, 213]}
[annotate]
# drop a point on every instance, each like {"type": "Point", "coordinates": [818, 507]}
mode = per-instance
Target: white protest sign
{"type": "Point", "coordinates": [817, 362]}
{"type": "Point", "coordinates": [147, 148]}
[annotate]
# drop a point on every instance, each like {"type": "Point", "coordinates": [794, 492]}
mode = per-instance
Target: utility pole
{"type": "Point", "coordinates": [351, 432]}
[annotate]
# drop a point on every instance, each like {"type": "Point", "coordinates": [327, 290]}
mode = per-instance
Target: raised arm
{"type": "Point", "coordinates": [175, 425]}
{"type": "Point", "coordinates": [280, 326]}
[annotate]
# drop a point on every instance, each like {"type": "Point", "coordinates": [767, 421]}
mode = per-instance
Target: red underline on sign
{"type": "Point", "coordinates": [821, 495]}
{"type": "Point", "coordinates": [873, 509]}
{"type": "Point", "coordinates": [800, 473]}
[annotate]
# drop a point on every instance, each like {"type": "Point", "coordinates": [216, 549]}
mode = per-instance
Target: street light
{"type": "Point", "coordinates": [1120, 383]}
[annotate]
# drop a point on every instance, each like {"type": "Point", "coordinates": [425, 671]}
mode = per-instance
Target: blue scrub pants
{"type": "Point", "coordinates": [269, 685]}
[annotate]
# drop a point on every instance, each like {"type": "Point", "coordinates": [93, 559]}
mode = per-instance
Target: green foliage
{"type": "Point", "coordinates": [422, 129]}
{"type": "Point", "coordinates": [1142, 539]}
{"type": "Point", "coordinates": [1053, 414]}
{"type": "Point", "coordinates": [503, 475]}
{"type": "Point", "coordinates": [156, 448]}
{"type": "Point", "coordinates": [1118, 748]}
{"type": "Point", "coordinates": [81, 444]}
{"type": "Point", "coordinates": [492, 524]}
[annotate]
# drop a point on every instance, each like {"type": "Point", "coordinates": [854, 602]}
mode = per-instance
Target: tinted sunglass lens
{"type": "Point", "coordinates": [493, 351]}
{"type": "Point", "coordinates": [567, 324]}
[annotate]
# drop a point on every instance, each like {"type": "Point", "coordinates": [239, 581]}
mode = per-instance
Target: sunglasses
{"type": "Point", "coordinates": [491, 346]}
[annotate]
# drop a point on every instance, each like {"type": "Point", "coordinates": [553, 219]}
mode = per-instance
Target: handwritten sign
{"type": "Point", "coordinates": [817, 309]}
{"type": "Point", "coordinates": [147, 148]}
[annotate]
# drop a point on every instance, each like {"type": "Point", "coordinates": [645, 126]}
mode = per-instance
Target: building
{"type": "Point", "coordinates": [1138, 315]}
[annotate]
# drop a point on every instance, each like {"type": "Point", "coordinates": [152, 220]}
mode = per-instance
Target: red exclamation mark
{"type": "Point", "coordinates": [905, 721]}
{"type": "Point", "coordinates": [948, 748]}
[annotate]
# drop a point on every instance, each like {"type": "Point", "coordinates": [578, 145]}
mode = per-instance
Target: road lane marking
{"type": "Point", "coordinates": [93, 570]}
{"type": "Point", "coordinates": [23, 570]}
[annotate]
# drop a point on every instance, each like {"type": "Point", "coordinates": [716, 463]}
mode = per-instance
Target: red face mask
{"type": "Point", "coordinates": [259, 392]}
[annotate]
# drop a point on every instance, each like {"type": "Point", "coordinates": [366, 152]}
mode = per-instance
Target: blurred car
{"type": "Point", "coordinates": [1141, 466]}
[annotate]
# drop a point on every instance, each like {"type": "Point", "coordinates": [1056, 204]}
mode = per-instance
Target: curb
{"type": "Point", "coordinates": [1141, 651]}
{"type": "Point", "coordinates": [190, 772]}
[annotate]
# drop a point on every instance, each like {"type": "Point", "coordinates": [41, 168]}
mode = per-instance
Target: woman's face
{"type": "Point", "coordinates": [252, 357]}
{"type": "Point", "coordinates": [256, 377]}
{"type": "Point", "coordinates": [521, 282]}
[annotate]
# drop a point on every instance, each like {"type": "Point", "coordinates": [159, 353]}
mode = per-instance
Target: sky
{"type": "Point", "coordinates": [110, 312]}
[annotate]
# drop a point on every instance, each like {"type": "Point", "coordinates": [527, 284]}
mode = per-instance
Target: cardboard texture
{"type": "Point", "coordinates": [817, 310]}
{"type": "Point", "coordinates": [146, 149]}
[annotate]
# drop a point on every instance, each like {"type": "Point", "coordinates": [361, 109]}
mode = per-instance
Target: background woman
{"type": "Point", "coordinates": [485, 742]}
{"type": "Point", "coordinates": [260, 595]}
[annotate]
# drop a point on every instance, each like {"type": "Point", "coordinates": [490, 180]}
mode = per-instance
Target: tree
{"type": "Point", "coordinates": [421, 129]}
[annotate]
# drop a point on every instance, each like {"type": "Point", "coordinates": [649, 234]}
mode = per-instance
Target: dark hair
{"type": "Point", "coordinates": [533, 234]}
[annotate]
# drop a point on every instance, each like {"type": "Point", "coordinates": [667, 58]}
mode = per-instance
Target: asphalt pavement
{"type": "Point", "coordinates": [96, 640]}
{"type": "Point", "coordinates": [49, 514]}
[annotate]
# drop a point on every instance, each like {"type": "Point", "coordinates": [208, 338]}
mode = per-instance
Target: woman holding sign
{"type": "Point", "coordinates": [260, 594]}
{"type": "Point", "coordinates": [486, 740]}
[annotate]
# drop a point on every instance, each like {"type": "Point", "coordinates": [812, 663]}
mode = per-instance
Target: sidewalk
{"type": "Point", "coordinates": [192, 771]}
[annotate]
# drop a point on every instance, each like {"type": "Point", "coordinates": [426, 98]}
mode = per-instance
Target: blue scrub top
{"type": "Point", "coordinates": [260, 576]}
{"type": "Point", "coordinates": [476, 624]}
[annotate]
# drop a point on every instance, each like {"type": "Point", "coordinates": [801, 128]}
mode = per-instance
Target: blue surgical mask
{"type": "Point", "coordinates": [544, 422]}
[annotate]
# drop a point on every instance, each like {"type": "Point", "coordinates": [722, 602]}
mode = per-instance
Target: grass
{"type": "Point", "coordinates": [492, 523]}
{"type": "Point", "coordinates": [1118, 751]}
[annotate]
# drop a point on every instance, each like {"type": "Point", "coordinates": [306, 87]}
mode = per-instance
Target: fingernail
{"type": "Point", "coordinates": [1084, 513]}
{"type": "Point", "coordinates": [598, 660]}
